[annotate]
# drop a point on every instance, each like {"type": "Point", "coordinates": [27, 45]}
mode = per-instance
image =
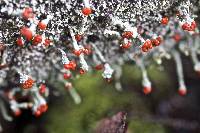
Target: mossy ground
{"type": "Point", "coordinates": [101, 99]}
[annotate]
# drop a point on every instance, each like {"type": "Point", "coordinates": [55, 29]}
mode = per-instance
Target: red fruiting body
{"type": "Point", "coordinates": [42, 25]}
{"type": "Point", "coordinates": [43, 108]}
{"type": "Point", "coordinates": [127, 34]}
{"type": "Point", "coordinates": [78, 37]}
{"type": "Point", "coordinates": [144, 48]}
{"type": "Point", "coordinates": [186, 26]}
{"type": "Point", "coordinates": [37, 113]}
{"type": "Point", "coordinates": [20, 42]}
{"type": "Point", "coordinates": [27, 13]}
{"type": "Point", "coordinates": [67, 66]}
{"type": "Point", "coordinates": [182, 92]}
{"type": "Point", "coordinates": [77, 52]}
{"type": "Point", "coordinates": [47, 42]}
{"type": "Point", "coordinates": [86, 11]}
{"type": "Point", "coordinates": [147, 90]}
{"type": "Point", "coordinates": [193, 26]}
{"type": "Point", "coordinates": [126, 45]}
{"type": "Point", "coordinates": [81, 71]}
{"type": "Point", "coordinates": [164, 20]}
{"type": "Point", "coordinates": [27, 33]}
{"type": "Point", "coordinates": [147, 45]}
{"type": "Point", "coordinates": [150, 46]}
{"type": "Point", "coordinates": [99, 67]}
{"type": "Point", "coordinates": [86, 51]}
{"type": "Point", "coordinates": [17, 112]}
{"type": "Point", "coordinates": [156, 42]}
{"type": "Point", "coordinates": [66, 75]}
{"type": "Point", "coordinates": [28, 84]}
{"type": "Point", "coordinates": [189, 27]}
{"type": "Point", "coordinates": [42, 89]}
{"type": "Point", "coordinates": [177, 37]}
{"type": "Point", "coordinates": [159, 39]}
{"type": "Point", "coordinates": [37, 39]}
{"type": "Point", "coordinates": [71, 65]}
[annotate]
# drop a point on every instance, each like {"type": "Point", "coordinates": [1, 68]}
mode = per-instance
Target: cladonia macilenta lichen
{"type": "Point", "coordinates": [43, 40]}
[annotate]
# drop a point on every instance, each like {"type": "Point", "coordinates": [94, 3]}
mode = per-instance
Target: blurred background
{"type": "Point", "coordinates": [162, 111]}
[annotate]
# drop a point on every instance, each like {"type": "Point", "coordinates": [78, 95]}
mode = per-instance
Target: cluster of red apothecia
{"type": "Point", "coordinates": [28, 84]}
{"type": "Point", "coordinates": [81, 71]}
{"type": "Point", "coordinates": [149, 44]}
{"type": "Point", "coordinates": [72, 64]}
{"type": "Point", "coordinates": [189, 27]}
{"type": "Point", "coordinates": [41, 109]}
{"type": "Point", "coordinates": [36, 39]}
{"type": "Point", "coordinates": [27, 34]}
{"type": "Point", "coordinates": [127, 35]}
{"type": "Point", "coordinates": [86, 51]}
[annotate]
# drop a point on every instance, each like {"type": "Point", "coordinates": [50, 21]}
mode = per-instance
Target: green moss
{"type": "Point", "coordinates": [131, 73]}
{"type": "Point", "coordinates": [161, 82]}
{"type": "Point", "coordinates": [139, 126]}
